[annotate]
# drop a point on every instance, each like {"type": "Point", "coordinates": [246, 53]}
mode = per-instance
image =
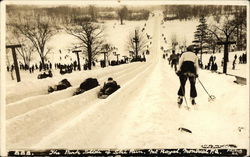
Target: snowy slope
{"type": "Point", "coordinates": [142, 114]}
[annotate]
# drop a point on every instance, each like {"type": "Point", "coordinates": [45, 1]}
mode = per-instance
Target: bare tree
{"type": "Point", "coordinates": [38, 30]}
{"type": "Point", "coordinates": [27, 49]}
{"type": "Point", "coordinates": [137, 42]}
{"type": "Point", "coordinates": [212, 42]}
{"type": "Point", "coordinates": [122, 13]}
{"type": "Point", "coordinates": [107, 49]}
{"type": "Point", "coordinates": [224, 35]}
{"type": "Point", "coordinates": [90, 36]}
{"type": "Point", "coordinates": [240, 20]}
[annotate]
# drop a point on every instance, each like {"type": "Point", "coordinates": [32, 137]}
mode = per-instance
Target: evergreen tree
{"type": "Point", "coordinates": [201, 35]}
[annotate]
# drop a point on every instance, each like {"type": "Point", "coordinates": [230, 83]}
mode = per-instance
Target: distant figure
{"type": "Point", "coordinates": [240, 59]}
{"type": "Point", "coordinates": [235, 56]}
{"type": "Point", "coordinates": [214, 67]}
{"type": "Point", "coordinates": [173, 60]}
{"type": "Point", "coordinates": [234, 64]}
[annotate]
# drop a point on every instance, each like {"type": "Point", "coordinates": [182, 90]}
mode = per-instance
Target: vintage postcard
{"type": "Point", "coordinates": [125, 78]}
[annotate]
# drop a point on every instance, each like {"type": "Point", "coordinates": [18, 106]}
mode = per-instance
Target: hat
{"type": "Point", "coordinates": [110, 79]}
{"type": "Point", "coordinates": [191, 48]}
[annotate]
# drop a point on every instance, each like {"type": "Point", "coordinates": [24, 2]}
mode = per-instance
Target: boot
{"type": "Point", "coordinates": [180, 100]}
{"type": "Point", "coordinates": [193, 101]}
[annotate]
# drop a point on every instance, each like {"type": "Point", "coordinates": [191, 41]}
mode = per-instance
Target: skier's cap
{"type": "Point", "coordinates": [191, 48]}
{"type": "Point", "coordinates": [110, 79]}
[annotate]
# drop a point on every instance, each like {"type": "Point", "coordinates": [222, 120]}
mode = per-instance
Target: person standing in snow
{"type": "Point", "coordinates": [173, 59]}
{"type": "Point", "coordinates": [234, 64]}
{"type": "Point", "coordinates": [188, 69]}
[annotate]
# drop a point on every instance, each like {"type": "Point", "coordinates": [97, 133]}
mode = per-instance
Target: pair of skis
{"type": "Point", "coordinates": [187, 106]}
{"type": "Point", "coordinates": [210, 97]}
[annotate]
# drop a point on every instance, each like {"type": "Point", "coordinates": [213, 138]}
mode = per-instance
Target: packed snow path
{"type": "Point", "coordinates": [142, 114]}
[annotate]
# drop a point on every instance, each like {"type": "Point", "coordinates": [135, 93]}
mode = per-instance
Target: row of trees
{"type": "Point", "coordinates": [65, 13]}
{"type": "Point", "coordinates": [231, 28]}
{"type": "Point", "coordinates": [35, 31]}
{"type": "Point", "coordinates": [185, 12]}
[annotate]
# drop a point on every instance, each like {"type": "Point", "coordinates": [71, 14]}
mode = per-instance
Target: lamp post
{"type": "Point", "coordinates": [105, 56]}
{"type": "Point", "coordinates": [106, 48]}
{"type": "Point", "coordinates": [136, 41]}
{"type": "Point", "coordinates": [78, 59]}
{"type": "Point", "coordinates": [13, 48]}
{"type": "Point", "coordinates": [125, 58]}
{"type": "Point", "coordinates": [117, 55]}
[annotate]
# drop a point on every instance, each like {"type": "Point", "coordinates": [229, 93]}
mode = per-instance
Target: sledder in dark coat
{"type": "Point", "coordinates": [87, 84]}
{"type": "Point", "coordinates": [64, 84]}
{"type": "Point", "coordinates": [45, 75]}
{"type": "Point", "coordinates": [108, 88]}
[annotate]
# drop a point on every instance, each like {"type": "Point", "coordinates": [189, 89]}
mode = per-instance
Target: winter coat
{"type": "Point", "coordinates": [110, 87]}
{"type": "Point", "coordinates": [188, 62]}
{"type": "Point", "coordinates": [89, 83]}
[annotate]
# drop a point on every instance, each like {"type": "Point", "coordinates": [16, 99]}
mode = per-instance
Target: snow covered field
{"type": "Point", "coordinates": [143, 113]}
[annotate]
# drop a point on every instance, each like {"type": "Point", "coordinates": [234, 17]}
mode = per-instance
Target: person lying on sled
{"type": "Point", "coordinates": [60, 86]}
{"type": "Point", "coordinates": [109, 87]}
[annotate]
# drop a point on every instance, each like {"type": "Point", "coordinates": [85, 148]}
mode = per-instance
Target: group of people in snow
{"type": "Point", "coordinates": [243, 58]}
{"type": "Point", "coordinates": [212, 65]}
{"type": "Point", "coordinates": [108, 88]}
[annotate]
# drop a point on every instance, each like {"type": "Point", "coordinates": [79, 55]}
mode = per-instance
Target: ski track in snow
{"type": "Point", "coordinates": [143, 113]}
{"type": "Point", "coordinates": [28, 104]}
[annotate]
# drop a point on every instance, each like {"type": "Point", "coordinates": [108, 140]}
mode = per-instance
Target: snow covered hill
{"type": "Point", "coordinates": [143, 113]}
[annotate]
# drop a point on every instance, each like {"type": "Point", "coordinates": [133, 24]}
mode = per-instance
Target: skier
{"type": "Point", "coordinates": [188, 69]}
{"type": "Point", "coordinates": [173, 59]}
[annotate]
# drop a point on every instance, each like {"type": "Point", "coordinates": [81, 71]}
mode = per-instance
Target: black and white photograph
{"type": "Point", "coordinates": [123, 76]}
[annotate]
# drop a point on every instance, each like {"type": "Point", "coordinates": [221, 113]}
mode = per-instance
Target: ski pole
{"type": "Point", "coordinates": [211, 97]}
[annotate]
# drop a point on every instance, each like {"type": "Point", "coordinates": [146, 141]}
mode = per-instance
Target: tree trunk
{"type": "Point", "coordinates": [237, 38]}
{"type": "Point", "coordinates": [201, 52]}
{"type": "Point", "coordinates": [241, 43]}
{"type": "Point", "coordinates": [89, 57]}
{"type": "Point", "coordinates": [42, 55]}
{"type": "Point", "coordinates": [225, 58]}
{"type": "Point", "coordinates": [42, 59]}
